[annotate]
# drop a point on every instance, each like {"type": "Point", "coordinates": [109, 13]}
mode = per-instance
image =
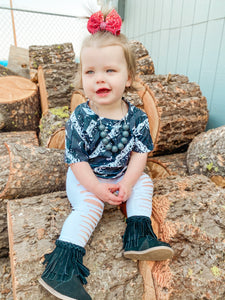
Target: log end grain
{"type": "Point", "coordinates": [16, 88]}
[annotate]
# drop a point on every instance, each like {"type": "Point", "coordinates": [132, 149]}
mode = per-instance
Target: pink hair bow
{"type": "Point", "coordinates": [112, 23]}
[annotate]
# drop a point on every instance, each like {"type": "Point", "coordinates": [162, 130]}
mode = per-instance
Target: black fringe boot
{"type": "Point", "coordinates": [65, 273]}
{"type": "Point", "coordinates": [141, 243]}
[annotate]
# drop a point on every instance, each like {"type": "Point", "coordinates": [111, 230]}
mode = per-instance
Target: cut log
{"type": "Point", "coordinates": [35, 223]}
{"type": "Point", "coordinates": [56, 69]}
{"type": "Point", "coordinates": [181, 109]}
{"type": "Point", "coordinates": [57, 139]}
{"type": "Point", "coordinates": [51, 127]}
{"type": "Point", "coordinates": [206, 155]}
{"type": "Point", "coordinates": [144, 62]}
{"type": "Point", "coordinates": [33, 171]}
{"type": "Point", "coordinates": [19, 104]}
{"type": "Point", "coordinates": [77, 98]}
{"type": "Point", "coordinates": [25, 138]}
{"type": "Point", "coordinates": [6, 72]}
{"type": "Point", "coordinates": [173, 164]}
{"type": "Point", "coordinates": [188, 212]}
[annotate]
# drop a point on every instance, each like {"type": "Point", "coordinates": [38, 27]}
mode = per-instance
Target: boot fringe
{"type": "Point", "coordinates": [65, 261]}
{"type": "Point", "coordinates": [137, 227]}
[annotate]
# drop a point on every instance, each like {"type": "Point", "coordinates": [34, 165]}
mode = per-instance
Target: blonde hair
{"type": "Point", "coordinates": [104, 39]}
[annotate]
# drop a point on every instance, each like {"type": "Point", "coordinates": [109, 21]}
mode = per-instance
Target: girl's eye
{"type": "Point", "coordinates": [90, 72]}
{"type": "Point", "coordinates": [110, 70]}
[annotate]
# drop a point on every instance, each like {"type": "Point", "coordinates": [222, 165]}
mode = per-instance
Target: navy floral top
{"type": "Point", "coordinates": [84, 143]}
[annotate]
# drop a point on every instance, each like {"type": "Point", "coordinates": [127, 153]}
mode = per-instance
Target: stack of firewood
{"type": "Point", "coordinates": [32, 129]}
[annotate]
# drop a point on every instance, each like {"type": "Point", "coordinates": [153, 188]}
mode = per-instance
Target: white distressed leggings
{"type": "Point", "coordinates": [87, 209]}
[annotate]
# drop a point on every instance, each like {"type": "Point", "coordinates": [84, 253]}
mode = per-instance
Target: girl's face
{"type": "Point", "coordinates": [104, 74]}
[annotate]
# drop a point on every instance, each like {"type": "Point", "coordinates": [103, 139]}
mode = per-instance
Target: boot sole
{"type": "Point", "coordinates": [54, 292]}
{"type": "Point", "coordinates": [154, 254]}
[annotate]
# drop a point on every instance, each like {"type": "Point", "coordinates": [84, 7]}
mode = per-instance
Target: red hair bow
{"type": "Point", "coordinates": [112, 23]}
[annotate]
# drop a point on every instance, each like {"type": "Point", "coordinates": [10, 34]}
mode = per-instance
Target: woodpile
{"type": "Point", "coordinates": [188, 207]}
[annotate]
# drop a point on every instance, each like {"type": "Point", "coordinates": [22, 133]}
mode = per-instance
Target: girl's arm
{"type": "Point", "coordinates": [86, 177]}
{"type": "Point", "coordinates": [134, 170]}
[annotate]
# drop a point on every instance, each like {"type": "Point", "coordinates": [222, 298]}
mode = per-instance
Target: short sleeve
{"type": "Point", "coordinates": [143, 140]}
{"type": "Point", "coordinates": [75, 149]}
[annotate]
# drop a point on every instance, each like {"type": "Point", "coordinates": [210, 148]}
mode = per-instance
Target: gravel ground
{"type": "Point", "coordinates": [5, 279]}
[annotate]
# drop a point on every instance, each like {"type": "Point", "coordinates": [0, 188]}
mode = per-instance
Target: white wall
{"type": "Point", "coordinates": [185, 37]}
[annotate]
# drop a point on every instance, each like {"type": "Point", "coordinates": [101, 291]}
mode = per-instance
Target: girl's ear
{"type": "Point", "coordinates": [128, 83]}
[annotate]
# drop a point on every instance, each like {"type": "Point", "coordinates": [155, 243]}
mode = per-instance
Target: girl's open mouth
{"type": "Point", "coordinates": [103, 91]}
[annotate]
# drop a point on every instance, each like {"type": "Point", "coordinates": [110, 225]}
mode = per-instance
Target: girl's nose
{"type": "Point", "coordinates": [100, 78]}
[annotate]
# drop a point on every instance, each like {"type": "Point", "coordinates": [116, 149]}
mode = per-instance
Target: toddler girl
{"type": "Point", "coordinates": [107, 144]}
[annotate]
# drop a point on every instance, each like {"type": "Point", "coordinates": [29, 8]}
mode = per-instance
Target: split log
{"type": "Point", "coordinates": [19, 104]}
{"type": "Point", "coordinates": [188, 212]}
{"type": "Point", "coordinates": [35, 223]}
{"type": "Point", "coordinates": [25, 138]}
{"type": "Point", "coordinates": [52, 127]}
{"type": "Point", "coordinates": [33, 171]}
{"type": "Point", "coordinates": [178, 109]}
{"type": "Point", "coordinates": [206, 155]}
{"type": "Point", "coordinates": [56, 69]}
{"type": "Point", "coordinates": [144, 62]}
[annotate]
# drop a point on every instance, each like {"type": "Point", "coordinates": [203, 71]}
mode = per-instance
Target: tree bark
{"type": "Point", "coordinates": [144, 62]}
{"type": "Point", "coordinates": [6, 72]}
{"type": "Point", "coordinates": [52, 125]}
{"type": "Point", "coordinates": [206, 155]}
{"type": "Point", "coordinates": [19, 104]}
{"type": "Point", "coordinates": [188, 213]}
{"type": "Point", "coordinates": [33, 171]}
{"type": "Point", "coordinates": [56, 73]}
{"type": "Point", "coordinates": [23, 138]}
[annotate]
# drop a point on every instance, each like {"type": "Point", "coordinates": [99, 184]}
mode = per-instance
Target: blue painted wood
{"type": "Point", "coordinates": [186, 37]}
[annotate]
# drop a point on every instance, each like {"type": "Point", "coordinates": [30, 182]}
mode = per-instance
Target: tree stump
{"type": "Point", "coordinates": [34, 225]}
{"type": "Point", "coordinates": [56, 73]}
{"type": "Point", "coordinates": [25, 138]}
{"type": "Point", "coordinates": [52, 125]}
{"type": "Point", "coordinates": [144, 62]}
{"type": "Point", "coordinates": [33, 171]}
{"type": "Point", "coordinates": [178, 108]}
{"type": "Point", "coordinates": [206, 155]}
{"type": "Point", "coordinates": [19, 104]}
{"type": "Point", "coordinates": [188, 212]}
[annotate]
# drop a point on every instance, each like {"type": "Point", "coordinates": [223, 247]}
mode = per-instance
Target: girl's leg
{"type": "Point", "coordinates": [86, 212]}
{"type": "Point", "coordinates": [140, 201]}
{"type": "Point", "coordinates": [140, 242]}
{"type": "Point", "coordinates": [65, 273]}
